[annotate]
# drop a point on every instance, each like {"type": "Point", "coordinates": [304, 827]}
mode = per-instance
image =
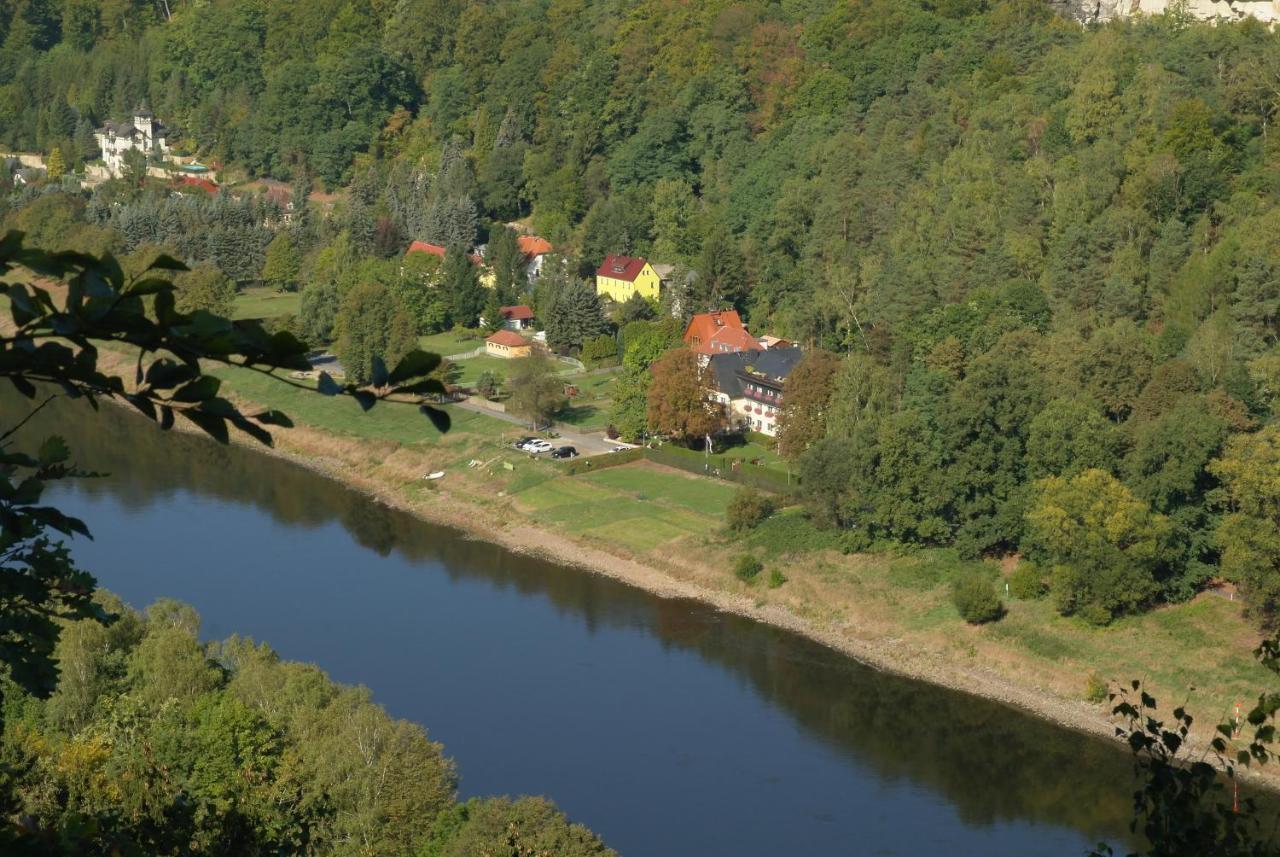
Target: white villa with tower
{"type": "Point", "coordinates": [142, 132]}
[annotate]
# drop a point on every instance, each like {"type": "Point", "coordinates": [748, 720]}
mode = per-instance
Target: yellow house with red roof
{"type": "Point", "coordinates": [620, 277]}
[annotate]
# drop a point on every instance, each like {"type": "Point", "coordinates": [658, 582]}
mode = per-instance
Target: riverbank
{"type": "Point", "coordinates": [888, 612]}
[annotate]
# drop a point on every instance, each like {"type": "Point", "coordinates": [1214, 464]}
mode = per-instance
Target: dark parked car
{"type": "Point", "coordinates": [565, 452]}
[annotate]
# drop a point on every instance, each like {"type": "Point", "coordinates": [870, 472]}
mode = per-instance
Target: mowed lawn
{"type": "Point", "coordinates": [265, 303]}
{"type": "Point", "coordinates": [467, 372]}
{"type": "Point", "coordinates": [589, 410]}
{"type": "Point", "coordinates": [451, 342]}
{"type": "Point", "coordinates": [639, 506]}
{"type": "Point", "coordinates": [387, 421]}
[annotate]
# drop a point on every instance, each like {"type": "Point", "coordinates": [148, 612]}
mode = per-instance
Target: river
{"type": "Point", "coordinates": [666, 726]}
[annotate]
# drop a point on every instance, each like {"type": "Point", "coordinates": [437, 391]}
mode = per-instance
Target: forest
{"type": "Point", "coordinates": [157, 743]}
{"type": "Point", "coordinates": [1033, 262]}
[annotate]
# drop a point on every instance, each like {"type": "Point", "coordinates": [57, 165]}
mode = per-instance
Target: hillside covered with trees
{"type": "Point", "coordinates": [1042, 255]}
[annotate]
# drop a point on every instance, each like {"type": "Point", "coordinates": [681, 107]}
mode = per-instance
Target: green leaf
{"type": "Point", "coordinates": [201, 389]}
{"type": "Point", "coordinates": [23, 386]}
{"type": "Point", "coordinates": [274, 418]}
{"type": "Point", "coordinates": [379, 373]}
{"type": "Point", "coordinates": [54, 450]}
{"type": "Point", "coordinates": [440, 419]}
{"type": "Point", "coordinates": [364, 398]}
{"type": "Point", "coordinates": [167, 263]}
{"type": "Point", "coordinates": [150, 286]}
{"type": "Point", "coordinates": [426, 385]}
{"type": "Point", "coordinates": [214, 426]}
{"type": "Point", "coordinates": [413, 365]}
{"type": "Point", "coordinates": [326, 385]}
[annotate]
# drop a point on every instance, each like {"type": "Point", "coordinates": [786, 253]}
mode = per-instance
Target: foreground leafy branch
{"type": "Point", "coordinates": [1188, 805]}
{"type": "Point", "coordinates": [52, 343]}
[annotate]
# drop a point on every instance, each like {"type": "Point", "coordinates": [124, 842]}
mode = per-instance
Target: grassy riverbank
{"type": "Point", "coordinates": [662, 529]}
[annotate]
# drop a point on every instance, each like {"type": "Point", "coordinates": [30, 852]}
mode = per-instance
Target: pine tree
{"type": "Point", "coordinates": [574, 316]}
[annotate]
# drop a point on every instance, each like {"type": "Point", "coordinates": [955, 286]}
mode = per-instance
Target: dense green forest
{"type": "Point", "coordinates": [1043, 254]}
{"type": "Point", "coordinates": [157, 743]}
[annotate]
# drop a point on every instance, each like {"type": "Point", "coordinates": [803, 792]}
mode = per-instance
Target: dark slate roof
{"type": "Point", "coordinates": [771, 367]}
{"type": "Point", "coordinates": [725, 370]}
{"type": "Point", "coordinates": [776, 363]}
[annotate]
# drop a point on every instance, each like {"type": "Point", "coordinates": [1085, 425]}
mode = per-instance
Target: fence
{"type": "Point", "coordinates": [576, 466]}
{"type": "Point", "coordinates": [728, 467]}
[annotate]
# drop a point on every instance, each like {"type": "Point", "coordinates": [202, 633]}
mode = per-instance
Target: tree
{"type": "Point", "coordinates": [205, 288]}
{"type": "Point", "coordinates": [134, 167]}
{"type": "Point", "coordinates": [806, 398]}
{"type": "Point", "coordinates": [600, 351]}
{"type": "Point", "coordinates": [1104, 543]}
{"type": "Point", "coordinates": [528, 827]}
{"type": "Point", "coordinates": [679, 404]}
{"type": "Point", "coordinates": [507, 263]}
{"type": "Point", "coordinates": [283, 263]}
{"type": "Point", "coordinates": [826, 474]}
{"type": "Point", "coordinates": [748, 509]}
{"type": "Point", "coordinates": [1250, 530]}
{"type": "Point", "coordinates": [1071, 435]}
{"type": "Point", "coordinates": [644, 342]}
{"type": "Point", "coordinates": [55, 166]}
{"type": "Point", "coordinates": [537, 392]}
{"type": "Point", "coordinates": [574, 316]}
{"type": "Point", "coordinates": [460, 285]}
{"type": "Point", "coordinates": [629, 413]}
{"type": "Point", "coordinates": [55, 341]}
{"type": "Point", "coordinates": [974, 595]}
{"type": "Point", "coordinates": [371, 327]}
{"type": "Point", "coordinates": [635, 308]}
{"type": "Point", "coordinates": [491, 315]}
{"type": "Point", "coordinates": [319, 313]}
{"type": "Point", "coordinates": [722, 274]}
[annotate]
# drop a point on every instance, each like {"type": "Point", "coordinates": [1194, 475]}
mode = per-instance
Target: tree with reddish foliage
{"type": "Point", "coordinates": [680, 405]}
{"type": "Point", "coordinates": [805, 400]}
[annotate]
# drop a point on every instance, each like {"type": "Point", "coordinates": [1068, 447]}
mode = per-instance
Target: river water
{"type": "Point", "coordinates": [666, 726]}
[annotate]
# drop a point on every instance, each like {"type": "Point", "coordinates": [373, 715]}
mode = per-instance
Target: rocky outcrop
{"type": "Point", "coordinates": [1099, 11]}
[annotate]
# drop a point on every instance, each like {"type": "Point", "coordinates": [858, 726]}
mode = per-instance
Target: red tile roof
{"type": "Point", "coordinates": [623, 268]}
{"type": "Point", "coordinates": [532, 245]}
{"type": "Point", "coordinates": [508, 338]}
{"type": "Point", "coordinates": [437, 250]}
{"type": "Point", "coordinates": [516, 313]}
{"type": "Point", "coordinates": [424, 247]}
{"type": "Point", "coordinates": [718, 333]}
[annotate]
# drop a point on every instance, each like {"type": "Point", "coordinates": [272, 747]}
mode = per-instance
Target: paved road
{"type": "Point", "coordinates": [587, 443]}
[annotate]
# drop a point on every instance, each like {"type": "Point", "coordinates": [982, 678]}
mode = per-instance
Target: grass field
{"type": "Point", "coordinates": [265, 303]}
{"type": "Point", "coordinates": [589, 410]}
{"type": "Point", "coordinates": [468, 371]}
{"type": "Point", "coordinates": [636, 505]}
{"type": "Point", "coordinates": [451, 342]}
{"type": "Point", "coordinates": [341, 415]}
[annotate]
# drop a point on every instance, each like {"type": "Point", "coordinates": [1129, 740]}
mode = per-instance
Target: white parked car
{"type": "Point", "coordinates": [538, 446]}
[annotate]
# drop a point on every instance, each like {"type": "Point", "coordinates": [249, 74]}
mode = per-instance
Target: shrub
{"type": "Point", "coordinates": [776, 578]}
{"type": "Point", "coordinates": [747, 568]}
{"type": "Point", "coordinates": [1027, 583]}
{"type": "Point", "coordinates": [747, 509]}
{"type": "Point", "coordinates": [975, 597]}
{"type": "Point", "coordinates": [488, 383]}
{"type": "Point", "coordinates": [600, 351]}
{"type": "Point", "coordinates": [1095, 689]}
